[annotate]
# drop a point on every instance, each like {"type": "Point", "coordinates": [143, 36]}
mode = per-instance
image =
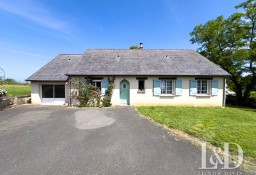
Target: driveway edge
{"type": "Point", "coordinates": [247, 165]}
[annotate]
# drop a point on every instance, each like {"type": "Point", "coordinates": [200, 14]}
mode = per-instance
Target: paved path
{"type": "Point", "coordinates": [49, 140]}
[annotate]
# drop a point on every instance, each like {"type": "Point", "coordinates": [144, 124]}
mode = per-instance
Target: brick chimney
{"type": "Point", "coordinates": [141, 46]}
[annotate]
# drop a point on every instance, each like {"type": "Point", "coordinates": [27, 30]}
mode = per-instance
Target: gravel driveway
{"type": "Point", "coordinates": [48, 140]}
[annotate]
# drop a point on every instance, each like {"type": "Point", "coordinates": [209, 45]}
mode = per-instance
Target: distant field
{"type": "Point", "coordinates": [17, 90]}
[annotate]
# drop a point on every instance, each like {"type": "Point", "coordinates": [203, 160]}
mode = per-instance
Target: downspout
{"type": "Point", "coordinates": [224, 93]}
{"type": "Point", "coordinates": [69, 81]}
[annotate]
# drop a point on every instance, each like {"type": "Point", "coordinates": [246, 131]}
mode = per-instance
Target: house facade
{"type": "Point", "coordinates": [142, 77]}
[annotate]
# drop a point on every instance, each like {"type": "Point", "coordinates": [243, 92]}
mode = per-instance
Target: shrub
{"type": "Point", "coordinates": [253, 95]}
{"type": "Point", "coordinates": [89, 96]}
{"type": "Point", "coordinates": [106, 102]}
{"type": "Point", "coordinates": [3, 93]}
{"type": "Point", "coordinates": [253, 99]}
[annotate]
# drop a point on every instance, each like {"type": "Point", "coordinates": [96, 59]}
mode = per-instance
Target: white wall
{"type": "Point", "coordinates": [35, 93]}
{"type": "Point", "coordinates": [137, 99]}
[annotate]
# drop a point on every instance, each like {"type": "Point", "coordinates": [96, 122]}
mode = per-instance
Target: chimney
{"type": "Point", "coordinates": [141, 46]}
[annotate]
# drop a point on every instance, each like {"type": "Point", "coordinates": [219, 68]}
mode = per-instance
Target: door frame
{"type": "Point", "coordinates": [128, 94]}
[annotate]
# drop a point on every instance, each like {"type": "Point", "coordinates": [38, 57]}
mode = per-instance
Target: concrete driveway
{"type": "Point", "coordinates": [59, 140]}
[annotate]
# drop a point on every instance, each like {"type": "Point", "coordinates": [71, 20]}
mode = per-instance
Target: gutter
{"type": "Point", "coordinates": [159, 75]}
{"type": "Point", "coordinates": [224, 93]}
{"type": "Point", "coordinates": [69, 81]}
{"type": "Point", "coordinates": [47, 80]}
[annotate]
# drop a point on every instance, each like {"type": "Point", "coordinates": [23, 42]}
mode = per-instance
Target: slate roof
{"type": "Point", "coordinates": [128, 62]}
{"type": "Point", "coordinates": [145, 62]}
{"type": "Point", "coordinates": [56, 69]}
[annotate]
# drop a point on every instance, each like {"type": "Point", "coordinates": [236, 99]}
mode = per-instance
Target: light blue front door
{"type": "Point", "coordinates": [124, 92]}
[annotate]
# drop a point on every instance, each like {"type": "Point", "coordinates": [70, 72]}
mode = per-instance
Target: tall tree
{"type": "Point", "coordinates": [230, 43]}
{"type": "Point", "coordinates": [249, 19]}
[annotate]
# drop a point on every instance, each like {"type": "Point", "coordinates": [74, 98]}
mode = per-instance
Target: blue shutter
{"type": "Point", "coordinates": [157, 90]}
{"type": "Point", "coordinates": [83, 81]}
{"type": "Point", "coordinates": [178, 87]}
{"type": "Point", "coordinates": [193, 89]}
{"type": "Point", "coordinates": [214, 87]}
{"type": "Point", "coordinates": [104, 86]}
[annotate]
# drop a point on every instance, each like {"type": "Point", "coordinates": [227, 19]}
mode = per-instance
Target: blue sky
{"type": "Point", "coordinates": [33, 32]}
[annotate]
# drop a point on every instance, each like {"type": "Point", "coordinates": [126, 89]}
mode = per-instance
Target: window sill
{"type": "Point", "coordinates": [141, 92]}
{"type": "Point", "coordinates": [166, 95]}
{"type": "Point", "coordinates": [203, 95]}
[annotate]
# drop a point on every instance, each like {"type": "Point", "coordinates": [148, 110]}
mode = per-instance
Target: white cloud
{"type": "Point", "coordinates": [174, 10]}
{"type": "Point", "coordinates": [22, 52]}
{"type": "Point", "coordinates": [34, 12]}
{"type": "Point", "coordinates": [5, 48]}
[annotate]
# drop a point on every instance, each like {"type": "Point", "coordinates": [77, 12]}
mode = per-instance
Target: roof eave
{"type": "Point", "coordinates": [225, 75]}
{"type": "Point", "coordinates": [46, 80]}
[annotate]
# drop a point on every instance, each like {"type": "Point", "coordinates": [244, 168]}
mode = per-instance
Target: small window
{"type": "Point", "coordinates": [141, 85]}
{"type": "Point", "coordinates": [96, 83]}
{"type": "Point", "coordinates": [124, 86]}
{"type": "Point", "coordinates": [202, 87]}
{"type": "Point", "coordinates": [166, 86]}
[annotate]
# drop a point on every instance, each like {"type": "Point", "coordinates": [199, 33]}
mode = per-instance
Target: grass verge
{"type": "Point", "coordinates": [212, 124]}
{"type": "Point", "coordinates": [17, 90]}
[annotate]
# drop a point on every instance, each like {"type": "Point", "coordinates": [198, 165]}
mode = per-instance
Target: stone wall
{"type": "Point", "coordinates": [19, 100]}
{"type": "Point", "coordinates": [4, 103]}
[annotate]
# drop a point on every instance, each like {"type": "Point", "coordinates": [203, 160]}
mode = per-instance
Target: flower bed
{"type": "Point", "coordinates": [3, 93]}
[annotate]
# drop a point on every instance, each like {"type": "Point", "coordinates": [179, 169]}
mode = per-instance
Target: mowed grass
{"type": "Point", "coordinates": [17, 90]}
{"type": "Point", "coordinates": [215, 125]}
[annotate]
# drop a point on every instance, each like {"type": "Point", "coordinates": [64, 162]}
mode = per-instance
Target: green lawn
{"type": "Point", "coordinates": [17, 90]}
{"type": "Point", "coordinates": [215, 125]}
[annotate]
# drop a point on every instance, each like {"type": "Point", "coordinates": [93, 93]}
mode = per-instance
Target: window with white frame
{"type": "Point", "coordinates": [96, 83]}
{"type": "Point", "coordinates": [166, 86]}
{"type": "Point", "coordinates": [53, 91]}
{"type": "Point", "coordinates": [202, 87]}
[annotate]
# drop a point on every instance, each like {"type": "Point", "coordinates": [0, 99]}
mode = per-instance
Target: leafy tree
{"type": "Point", "coordinates": [134, 47]}
{"type": "Point", "coordinates": [10, 81]}
{"type": "Point", "coordinates": [253, 95]}
{"type": "Point", "coordinates": [231, 43]}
